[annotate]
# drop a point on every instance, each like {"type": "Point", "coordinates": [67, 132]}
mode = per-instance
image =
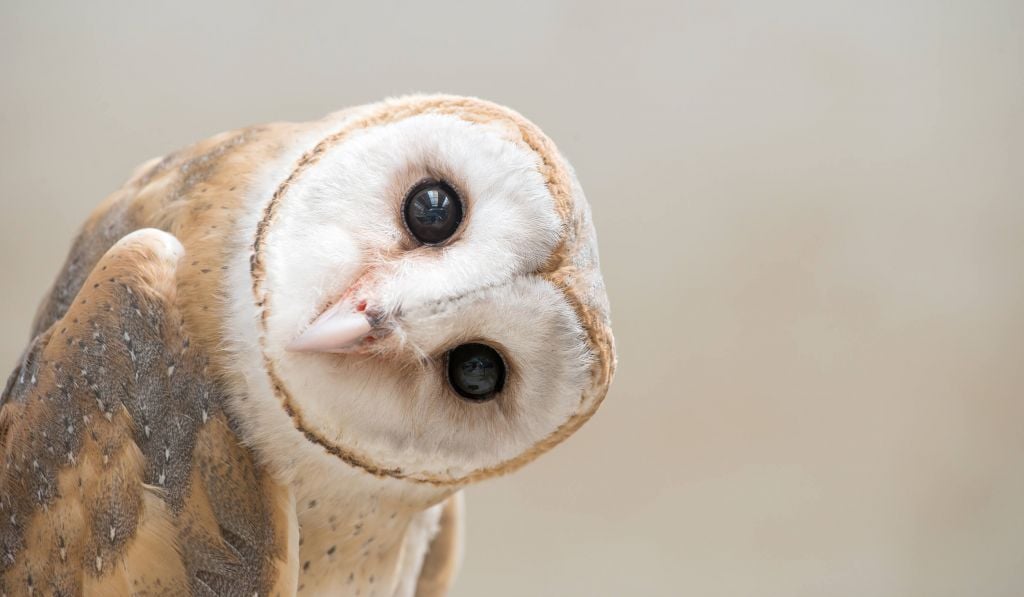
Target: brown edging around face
{"type": "Point", "coordinates": [555, 271]}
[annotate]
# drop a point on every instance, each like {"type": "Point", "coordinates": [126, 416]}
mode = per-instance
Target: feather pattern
{"type": "Point", "coordinates": [121, 472]}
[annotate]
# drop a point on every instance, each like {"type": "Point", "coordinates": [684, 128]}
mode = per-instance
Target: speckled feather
{"type": "Point", "coordinates": [113, 432]}
{"type": "Point", "coordinates": [118, 457]}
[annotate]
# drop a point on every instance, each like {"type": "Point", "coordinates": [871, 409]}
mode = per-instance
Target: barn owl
{"type": "Point", "coordinates": [273, 359]}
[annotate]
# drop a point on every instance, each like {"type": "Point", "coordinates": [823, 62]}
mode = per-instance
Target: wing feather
{"type": "Point", "coordinates": [121, 472]}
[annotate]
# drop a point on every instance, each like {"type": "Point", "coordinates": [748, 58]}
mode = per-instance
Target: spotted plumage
{"type": "Point", "coordinates": [237, 385]}
{"type": "Point", "coordinates": [117, 451]}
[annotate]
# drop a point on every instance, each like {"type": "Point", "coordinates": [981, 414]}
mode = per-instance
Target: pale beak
{"type": "Point", "coordinates": [335, 331]}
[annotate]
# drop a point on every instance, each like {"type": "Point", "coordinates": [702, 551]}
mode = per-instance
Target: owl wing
{"type": "Point", "coordinates": [120, 472]}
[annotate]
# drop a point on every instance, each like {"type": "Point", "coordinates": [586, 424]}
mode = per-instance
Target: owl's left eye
{"type": "Point", "coordinates": [432, 212]}
{"type": "Point", "coordinates": [476, 372]}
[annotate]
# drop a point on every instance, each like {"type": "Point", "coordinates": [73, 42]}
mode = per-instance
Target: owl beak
{"type": "Point", "coordinates": [337, 330]}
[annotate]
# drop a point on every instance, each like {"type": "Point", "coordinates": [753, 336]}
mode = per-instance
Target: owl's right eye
{"type": "Point", "coordinates": [432, 212]}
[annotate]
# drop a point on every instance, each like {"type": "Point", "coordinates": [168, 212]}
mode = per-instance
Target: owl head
{"type": "Point", "coordinates": [423, 282]}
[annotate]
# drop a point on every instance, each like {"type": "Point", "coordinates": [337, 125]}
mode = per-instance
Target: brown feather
{"type": "Point", "coordinates": [120, 468]}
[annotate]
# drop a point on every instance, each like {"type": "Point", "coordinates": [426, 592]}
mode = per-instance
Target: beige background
{"type": "Point", "coordinates": [812, 224]}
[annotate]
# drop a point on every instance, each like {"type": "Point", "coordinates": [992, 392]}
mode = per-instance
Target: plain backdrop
{"type": "Point", "coordinates": [811, 218]}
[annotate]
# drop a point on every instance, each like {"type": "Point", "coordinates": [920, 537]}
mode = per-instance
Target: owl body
{"type": "Point", "coordinates": [251, 376]}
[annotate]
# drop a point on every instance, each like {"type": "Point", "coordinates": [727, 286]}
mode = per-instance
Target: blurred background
{"type": "Point", "coordinates": [811, 219]}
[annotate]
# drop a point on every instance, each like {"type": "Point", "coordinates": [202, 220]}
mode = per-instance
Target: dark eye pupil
{"type": "Point", "coordinates": [433, 212]}
{"type": "Point", "coordinates": [476, 371]}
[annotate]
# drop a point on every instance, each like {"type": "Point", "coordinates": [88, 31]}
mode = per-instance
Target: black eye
{"type": "Point", "coordinates": [476, 371]}
{"type": "Point", "coordinates": [432, 212]}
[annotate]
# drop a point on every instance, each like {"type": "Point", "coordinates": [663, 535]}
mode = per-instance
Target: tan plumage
{"type": "Point", "coordinates": [119, 459]}
{"type": "Point", "coordinates": [125, 469]}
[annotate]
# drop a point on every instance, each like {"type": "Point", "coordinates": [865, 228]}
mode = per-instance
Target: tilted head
{"type": "Point", "coordinates": [424, 280]}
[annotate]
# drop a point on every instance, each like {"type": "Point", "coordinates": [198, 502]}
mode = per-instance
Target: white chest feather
{"type": "Point", "coordinates": [361, 545]}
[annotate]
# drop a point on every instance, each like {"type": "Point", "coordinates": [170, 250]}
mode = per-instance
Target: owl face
{"type": "Point", "coordinates": [411, 324]}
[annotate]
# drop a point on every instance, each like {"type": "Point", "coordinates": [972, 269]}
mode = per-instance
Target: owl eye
{"type": "Point", "coordinates": [476, 372]}
{"type": "Point", "coordinates": [432, 212]}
